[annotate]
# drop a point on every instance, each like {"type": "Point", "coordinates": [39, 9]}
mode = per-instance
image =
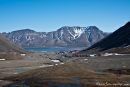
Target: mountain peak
{"type": "Point", "coordinates": [27, 30]}
{"type": "Point", "coordinates": [24, 30]}
{"type": "Point", "coordinates": [92, 27]}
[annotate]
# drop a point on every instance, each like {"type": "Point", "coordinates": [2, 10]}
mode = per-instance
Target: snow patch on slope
{"type": "Point", "coordinates": [76, 32]}
{"type": "Point", "coordinates": [61, 33]}
{"type": "Point", "coordinates": [52, 35]}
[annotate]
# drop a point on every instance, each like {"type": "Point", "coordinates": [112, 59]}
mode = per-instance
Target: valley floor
{"type": "Point", "coordinates": [88, 71]}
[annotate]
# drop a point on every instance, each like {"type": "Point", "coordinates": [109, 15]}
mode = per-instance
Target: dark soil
{"type": "Point", "coordinates": [119, 71]}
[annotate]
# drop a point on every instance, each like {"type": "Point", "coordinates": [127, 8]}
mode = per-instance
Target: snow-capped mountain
{"type": "Point", "coordinates": [67, 36]}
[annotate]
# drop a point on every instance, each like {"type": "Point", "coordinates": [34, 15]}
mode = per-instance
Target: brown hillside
{"type": "Point", "coordinates": [7, 46]}
{"type": "Point", "coordinates": [118, 41]}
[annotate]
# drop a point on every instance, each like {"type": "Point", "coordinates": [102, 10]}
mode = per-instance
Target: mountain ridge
{"type": "Point", "coordinates": [66, 36]}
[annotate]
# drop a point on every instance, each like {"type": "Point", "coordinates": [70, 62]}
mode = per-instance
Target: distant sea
{"type": "Point", "coordinates": [55, 49]}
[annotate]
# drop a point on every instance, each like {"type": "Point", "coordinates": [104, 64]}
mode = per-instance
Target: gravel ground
{"type": "Point", "coordinates": [108, 62]}
{"type": "Point", "coordinates": [37, 60]}
{"type": "Point", "coordinates": [31, 61]}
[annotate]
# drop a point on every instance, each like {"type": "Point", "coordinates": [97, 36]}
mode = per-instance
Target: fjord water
{"type": "Point", "coordinates": [55, 49]}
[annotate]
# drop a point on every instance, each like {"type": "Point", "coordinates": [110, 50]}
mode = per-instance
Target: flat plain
{"type": "Point", "coordinates": [89, 71]}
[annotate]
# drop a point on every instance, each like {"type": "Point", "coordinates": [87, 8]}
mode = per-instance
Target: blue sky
{"type": "Point", "coordinates": [50, 15]}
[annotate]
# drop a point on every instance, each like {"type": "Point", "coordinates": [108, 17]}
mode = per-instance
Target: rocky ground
{"type": "Point", "coordinates": [94, 70]}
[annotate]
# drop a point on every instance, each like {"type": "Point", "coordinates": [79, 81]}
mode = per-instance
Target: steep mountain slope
{"type": "Point", "coordinates": [118, 41]}
{"type": "Point", "coordinates": [6, 46]}
{"type": "Point", "coordinates": [66, 36]}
